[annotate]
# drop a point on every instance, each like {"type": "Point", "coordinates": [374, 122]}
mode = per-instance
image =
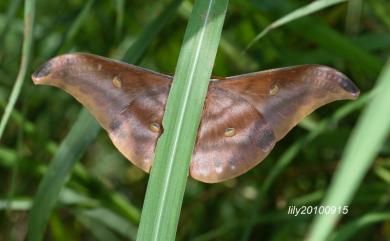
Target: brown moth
{"type": "Point", "coordinates": [243, 116]}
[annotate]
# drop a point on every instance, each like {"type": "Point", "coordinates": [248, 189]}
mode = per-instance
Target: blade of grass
{"type": "Point", "coordinates": [169, 173]}
{"type": "Point", "coordinates": [29, 15]}
{"type": "Point", "coordinates": [230, 49]}
{"type": "Point", "coordinates": [300, 12]}
{"type": "Point", "coordinates": [40, 211]}
{"type": "Point", "coordinates": [364, 144]}
{"type": "Point", "coordinates": [346, 232]}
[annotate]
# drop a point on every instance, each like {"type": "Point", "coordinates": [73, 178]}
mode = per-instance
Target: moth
{"type": "Point", "coordinates": [243, 116]}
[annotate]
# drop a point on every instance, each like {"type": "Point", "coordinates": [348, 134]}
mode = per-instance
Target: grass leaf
{"type": "Point", "coordinates": [29, 16]}
{"type": "Point", "coordinates": [300, 12]}
{"type": "Point", "coordinates": [169, 173]}
{"type": "Point", "coordinates": [347, 231]}
{"type": "Point", "coordinates": [364, 144]}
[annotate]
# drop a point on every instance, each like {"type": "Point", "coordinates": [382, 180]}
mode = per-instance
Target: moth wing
{"type": "Point", "coordinates": [285, 96]}
{"type": "Point", "coordinates": [126, 100]}
{"type": "Point", "coordinates": [261, 107]}
{"type": "Point", "coordinates": [233, 137]}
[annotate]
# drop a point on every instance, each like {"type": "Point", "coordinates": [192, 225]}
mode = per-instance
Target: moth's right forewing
{"type": "Point", "coordinates": [285, 96]}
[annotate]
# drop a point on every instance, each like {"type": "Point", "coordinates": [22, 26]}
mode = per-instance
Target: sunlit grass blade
{"type": "Point", "coordinates": [364, 144]}
{"type": "Point", "coordinates": [301, 12]}
{"type": "Point", "coordinates": [228, 47]}
{"type": "Point", "coordinates": [41, 209]}
{"type": "Point", "coordinates": [348, 230]}
{"type": "Point", "coordinates": [15, 205]}
{"type": "Point", "coordinates": [29, 15]}
{"type": "Point", "coordinates": [169, 173]}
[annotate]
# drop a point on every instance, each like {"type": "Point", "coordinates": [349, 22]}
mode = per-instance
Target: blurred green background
{"type": "Point", "coordinates": [102, 199]}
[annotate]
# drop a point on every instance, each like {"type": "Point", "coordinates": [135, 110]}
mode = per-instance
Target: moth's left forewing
{"type": "Point", "coordinates": [126, 100]}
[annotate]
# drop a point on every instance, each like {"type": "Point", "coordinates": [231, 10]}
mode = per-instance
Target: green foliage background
{"type": "Point", "coordinates": [103, 197]}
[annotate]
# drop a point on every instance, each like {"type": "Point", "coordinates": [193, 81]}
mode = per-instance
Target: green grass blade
{"type": "Point", "coordinates": [29, 15]}
{"type": "Point", "coordinates": [40, 212]}
{"type": "Point", "coordinates": [58, 172]}
{"type": "Point", "coordinates": [347, 231]}
{"type": "Point", "coordinates": [169, 173]}
{"type": "Point", "coordinates": [301, 12]}
{"type": "Point", "coordinates": [370, 133]}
